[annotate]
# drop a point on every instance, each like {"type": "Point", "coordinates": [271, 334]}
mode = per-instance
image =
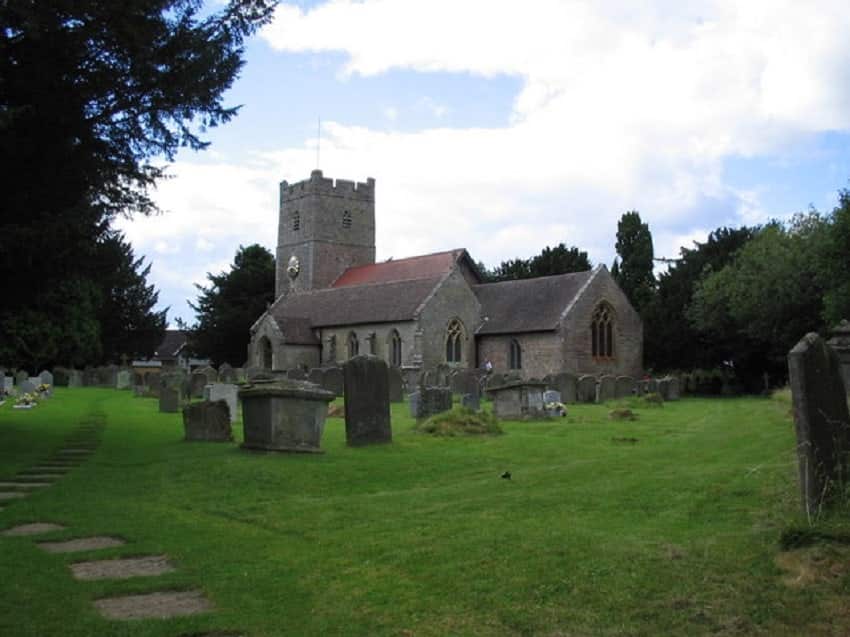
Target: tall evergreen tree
{"type": "Point", "coordinates": [550, 261]}
{"type": "Point", "coordinates": [634, 246]}
{"type": "Point", "coordinates": [230, 305]}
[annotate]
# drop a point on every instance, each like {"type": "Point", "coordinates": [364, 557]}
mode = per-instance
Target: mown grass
{"type": "Point", "coordinates": [676, 533]}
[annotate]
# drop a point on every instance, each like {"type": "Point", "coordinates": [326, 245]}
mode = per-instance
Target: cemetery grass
{"type": "Point", "coordinates": [665, 525]}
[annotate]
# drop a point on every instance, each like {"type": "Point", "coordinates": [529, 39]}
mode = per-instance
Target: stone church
{"type": "Point", "coordinates": [334, 301]}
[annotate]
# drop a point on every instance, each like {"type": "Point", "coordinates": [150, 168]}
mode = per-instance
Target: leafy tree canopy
{"type": "Point", "coordinates": [634, 271]}
{"type": "Point", "coordinates": [230, 305]}
{"type": "Point", "coordinates": [557, 260]}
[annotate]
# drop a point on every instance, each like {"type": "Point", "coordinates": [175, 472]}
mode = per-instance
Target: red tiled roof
{"type": "Point", "coordinates": [428, 266]}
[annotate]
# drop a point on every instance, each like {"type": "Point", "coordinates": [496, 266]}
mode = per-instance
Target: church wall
{"type": "Point", "coordinates": [453, 299]}
{"type": "Point", "coordinates": [283, 356]}
{"type": "Point", "coordinates": [382, 331]}
{"type": "Point", "coordinates": [542, 352]}
{"type": "Point", "coordinates": [628, 339]}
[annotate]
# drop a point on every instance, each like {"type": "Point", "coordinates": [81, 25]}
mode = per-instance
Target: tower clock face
{"type": "Point", "coordinates": [293, 267]}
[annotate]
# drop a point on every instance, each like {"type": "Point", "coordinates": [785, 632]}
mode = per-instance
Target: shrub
{"type": "Point", "coordinates": [460, 421]}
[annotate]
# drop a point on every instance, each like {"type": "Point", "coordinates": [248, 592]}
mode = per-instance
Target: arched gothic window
{"type": "Point", "coordinates": [265, 352]}
{"type": "Point", "coordinates": [602, 332]}
{"type": "Point", "coordinates": [454, 342]}
{"type": "Point", "coordinates": [515, 354]}
{"type": "Point", "coordinates": [353, 345]}
{"type": "Point", "coordinates": [395, 349]}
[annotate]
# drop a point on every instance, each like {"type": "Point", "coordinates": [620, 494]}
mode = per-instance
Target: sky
{"type": "Point", "coordinates": [503, 127]}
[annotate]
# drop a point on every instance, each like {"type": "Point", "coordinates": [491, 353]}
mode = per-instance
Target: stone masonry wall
{"type": "Point", "coordinates": [382, 331]}
{"type": "Point", "coordinates": [628, 338]}
{"type": "Point", "coordinates": [283, 356]}
{"type": "Point", "coordinates": [541, 352]}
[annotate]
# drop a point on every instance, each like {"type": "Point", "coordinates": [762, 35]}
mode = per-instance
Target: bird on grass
{"type": "Point", "coordinates": [506, 475]}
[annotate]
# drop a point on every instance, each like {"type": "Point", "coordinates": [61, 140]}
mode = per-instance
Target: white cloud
{"type": "Point", "coordinates": [620, 108]}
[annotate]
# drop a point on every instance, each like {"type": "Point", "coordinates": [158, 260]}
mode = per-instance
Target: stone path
{"type": "Point", "coordinates": [154, 605]}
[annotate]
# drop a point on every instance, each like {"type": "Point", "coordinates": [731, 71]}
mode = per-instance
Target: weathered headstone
{"type": "Point", "coordinates": [122, 379]}
{"type": "Point", "coordinates": [296, 374]}
{"type": "Point", "coordinates": [396, 385]}
{"type": "Point", "coordinates": [284, 415]}
{"type": "Point", "coordinates": [471, 401]}
{"type": "Point", "coordinates": [27, 386]}
{"type": "Point", "coordinates": [226, 374]}
{"type": "Point", "coordinates": [20, 377]}
{"type": "Point", "coordinates": [586, 389]}
{"type": "Point", "coordinates": [75, 378]}
{"type": "Point", "coordinates": [433, 400]}
{"type": "Point", "coordinates": [8, 384]}
{"type": "Point", "coordinates": [429, 378]}
{"type": "Point", "coordinates": [207, 421]}
{"type": "Point", "coordinates": [46, 378]}
{"type": "Point", "coordinates": [197, 381]}
{"type": "Point", "coordinates": [223, 391]}
{"type": "Point", "coordinates": [565, 384]}
{"type": "Point", "coordinates": [664, 388]}
{"type": "Point", "coordinates": [625, 387]}
{"type": "Point", "coordinates": [821, 419]}
{"type": "Point", "coordinates": [519, 399]}
{"type": "Point", "coordinates": [414, 401]}
{"type": "Point", "coordinates": [651, 386]}
{"type": "Point", "coordinates": [169, 400]}
{"type": "Point", "coordinates": [367, 401]}
{"type": "Point", "coordinates": [607, 388]}
{"type": "Point", "coordinates": [210, 373]}
{"type": "Point", "coordinates": [317, 376]}
{"type": "Point", "coordinates": [551, 396]}
{"type": "Point", "coordinates": [334, 381]}
{"type": "Point", "coordinates": [495, 380]}
{"type": "Point", "coordinates": [673, 389]}
{"type": "Point", "coordinates": [139, 379]}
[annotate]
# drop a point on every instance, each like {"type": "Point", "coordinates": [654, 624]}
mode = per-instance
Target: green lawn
{"type": "Point", "coordinates": [675, 534]}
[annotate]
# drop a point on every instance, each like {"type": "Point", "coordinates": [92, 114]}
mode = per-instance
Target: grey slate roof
{"type": "Point", "coordinates": [172, 342]}
{"type": "Point", "coordinates": [527, 305]}
{"type": "Point", "coordinates": [349, 305]}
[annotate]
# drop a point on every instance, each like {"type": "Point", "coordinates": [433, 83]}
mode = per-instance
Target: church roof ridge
{"type": "Point", "coordinates": [423, 266]}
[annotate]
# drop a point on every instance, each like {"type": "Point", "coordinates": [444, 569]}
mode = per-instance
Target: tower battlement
{"type": "Point", "coordinates": [317, 184]}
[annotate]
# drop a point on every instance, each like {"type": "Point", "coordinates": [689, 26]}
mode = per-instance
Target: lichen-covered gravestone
{"type": "Point", "coordinates": [822, 421]}
{"type": "Point", "coordinates": [664, 388]}
{"type": "Point", "coordinates": [367, 401]}
{"type": "Point", "coordinates": [207, 421]}
{"type": "Point", "coordinates": [226, 392]}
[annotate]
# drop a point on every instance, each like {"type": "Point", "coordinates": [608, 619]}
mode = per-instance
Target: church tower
{"type": "Point", "coordinates": [325, 226]}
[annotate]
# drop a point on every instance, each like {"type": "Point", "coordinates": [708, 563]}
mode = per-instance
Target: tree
{"type": "Point", "coordinates": [551, 261]}
{"type": "Point", "coordinates": [670, 339]}
{"type": "Point", "coordinates": [231, 304]}
{"type": "Point", "coordinates": [93, 97]}
{"type": "Point", "coordinates": [634, 273]}
{"type": "Point", "coordinates": [834, 262]}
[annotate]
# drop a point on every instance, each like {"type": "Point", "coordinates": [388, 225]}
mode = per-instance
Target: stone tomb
{"type": "Point", "coordinates": [821, 420]}
{"type": "Point", "coordinates": [207, 421]}
{"type": "Point", "coordinates": [518, 399]}
{"type": "Point", "coordinates": [367, 401]}
{"type": "Point", "coordinates": [226, 392]}
{"type": "Point", "coordinates": [284, 415]}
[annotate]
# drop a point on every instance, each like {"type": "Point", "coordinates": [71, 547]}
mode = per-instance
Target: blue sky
{"type": "Point", "coordinates": [505, 127]}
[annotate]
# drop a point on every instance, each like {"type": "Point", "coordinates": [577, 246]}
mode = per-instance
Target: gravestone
{"type": "Point", "coordinates": [223, 391]}
{"type": "Point", "coordinates": [60, 376]}
{"type": "Point", "coordinates": [284, 415]}
{"type": "Point", "coordinates": [226, 374]}
{"type": "Point", "coordinates": [664, 388]}
{"type": "Point", "coordinates": [108, 376]}
{"type": "Point", "coordinates": [367, 401]}
{"type": "Point", "coordinates": [821, 420]}
{"type": "Point", "coordinates": [170, 400]}
{"type": "Point", "coordinates": [207, 421]}
{"type": "Point", "coordinates": [564, 384]}
{"type": "Point", "coordinates": [465, 381]}
{"type": "Point", "coordinates": [197, 382]}
{"type": "Point", "coordinates": [495, 379]}
{"type": "Point", "coordinates": [75, 378]}
{"type": "Point", "coordinates": [8, 384]}
{"type": "Point", "coordinates": [673, 390]}
{"type": "Point", "coordinates": [839, 341]}
{"type": "Point", "coordinates": [139, 379]}
{"type": "Point", "coordinates": [210, 373]}
{"type": "Point", "coordinates": [317, 376]}
{"type": "Point", "coordinates": [296, 374]}
{"type": "Point", "coordinates": [586, 389]}
{"type": "Point", "coordinates": [432, 401]}
{"type": "Point", "coordinates": [140, 391]}
{"type": "Point", "coordinates": [471, 401]}
{"type": "Point", "coordinates": [20, 377]}
{"type": "Point", "coordinates": [429, 378]}
{"type": "Point", "coordinates": [651, 386]}
{"type": "Point", "coordinates": [46, 378]}
{"type": "Point", "coordinates": [122, 379]}
{"type": "Point", "coordinates": [396, 385]}
{"type": "Point", "coordinates": [518, 399]}
{"type": "Point", "coordinates": [256, 373]}
{"type": "Point", "coordinates": [607, 388]}
{"type": "Point", "coordinates": [27, 387]}
{"type": "Point", "coordinates": [625, 387]}
{"type": "Point", "coordinates": [551, 396]}
{"type": "Point", "coordinates": [334, 381]}
{"type": "Point", "coordinates": [414, 402]}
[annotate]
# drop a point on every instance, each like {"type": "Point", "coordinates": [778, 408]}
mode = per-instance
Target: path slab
{"type": "Point", "coordinates": [35, 528]}
{"type": "Point", "coordinates": [12, 495]}
{"type": "Point", "coordinates": [81, 544]}
{"type": "Point", "coordinates": [126, 568]}
{"type": "Point", "coordinates": [23, 485]}
{"type": "Point", "coordinates": [153, 605]}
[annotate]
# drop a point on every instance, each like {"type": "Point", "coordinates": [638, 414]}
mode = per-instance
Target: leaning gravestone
{"type": "Point", "coordinates": [822, 421]}
{"type": "Point", "coordinates": [122, 379]}
{"type": "Point", "coordinates": [207, 421]}
{"type": "Point", "coordinates": [625, 387]}
{"type": "Point", "coordinates": [607, 389]}
{"type": "Point", "coordinates": [169, 400]}
{"type": "Point", "coordinates": [586, 389]}
{"type": "Point", "coordinates": [223, 391]}
{"type": "Point", "coordinates": [198, 381]}
{"type": "Point", "coordinates": [396, 385]}
{"type": "Point", "coordinates": [367, 401]}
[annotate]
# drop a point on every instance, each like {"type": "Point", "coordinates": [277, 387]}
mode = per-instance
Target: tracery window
{"type": "Point", "coordinates": [353, 345]}
{"type": "Point", "coordinates": [515, 354]}
{"type": "Point", "coordinates": [454, 341]}
{"type": "Point", "coordinates": [602, 332]}
{"type": "Point", "coordinates": [395, 349]}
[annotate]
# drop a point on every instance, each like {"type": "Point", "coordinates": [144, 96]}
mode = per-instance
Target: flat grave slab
{"type": "Point", "coordinates": [34, 528]}
{"type": "Point", "coordinates": [44, 477]}
{"type": "Point", "coordinates": [12, 495]}
{"type": "Point", "coordinates": [147, 566]}
{"type": "Point", "coordinates": [154, 605]}
{"type": "Point", "coordinates": [81, 544]}
{"type": "Point", "coordinates": [75, 452]}
{"type": "Point", "coordinates": [23, 485]}
{"type": "Point", "coordinates": [58, 471]}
